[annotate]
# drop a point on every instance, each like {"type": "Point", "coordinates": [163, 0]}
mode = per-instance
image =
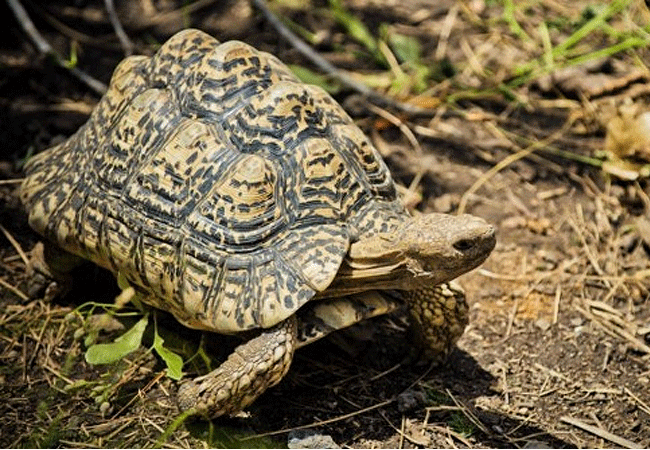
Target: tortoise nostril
{"type": "Point", "coordinates": [463, 245]}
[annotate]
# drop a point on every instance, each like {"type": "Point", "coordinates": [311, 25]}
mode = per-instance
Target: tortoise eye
{"type": "Point", "coordinates": [463, 245]}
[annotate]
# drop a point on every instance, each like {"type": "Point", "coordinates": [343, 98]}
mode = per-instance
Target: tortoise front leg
{"type": "Point", "coordinates": [250, 370]}
{"type": "Point", "coordinates": [439, 317]}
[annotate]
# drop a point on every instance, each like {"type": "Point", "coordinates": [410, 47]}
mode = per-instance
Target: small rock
{"type": "Point", "coordinates": [543, 324]}
{"type": "Point", "coordinates": [576, 321]}
{"type": "Point", "coordinates": [308, 438]}
{"type": "Point", "coordinates": [409, 400]}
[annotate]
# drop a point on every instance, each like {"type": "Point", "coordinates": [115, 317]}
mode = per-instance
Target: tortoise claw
{"type": "Point", "coordinates": [41, 286]}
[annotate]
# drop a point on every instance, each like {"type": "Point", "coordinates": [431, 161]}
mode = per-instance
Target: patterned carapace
{"type": "Point", "coordinates": [215, 182]}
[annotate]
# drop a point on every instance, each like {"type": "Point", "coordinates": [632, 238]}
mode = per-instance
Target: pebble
{"type": "Point", "coordinates": [576, 321]}
{"type": "Point", "coordinates": [410, 400]}
{"type": "Point", "coordinates": [543, 324]}
{"type": "Point", "coordinates": [308, 438]}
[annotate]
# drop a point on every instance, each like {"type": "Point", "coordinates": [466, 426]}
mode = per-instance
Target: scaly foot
{"type": "Point", "coordinates": [252, 368]}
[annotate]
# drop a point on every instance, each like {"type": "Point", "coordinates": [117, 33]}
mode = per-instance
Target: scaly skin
{"type": "Point", "coordinates": [439, 316]}
{"type": "Point", "coordinates": [250, 370]}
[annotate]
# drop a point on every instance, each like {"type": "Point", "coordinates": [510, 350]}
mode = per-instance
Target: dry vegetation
{"type": "Point", "coordinates": [533, 119]}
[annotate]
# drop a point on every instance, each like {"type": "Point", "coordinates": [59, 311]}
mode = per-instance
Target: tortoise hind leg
{"type": "Point", "coordinates": [439, 316]}
{"type": "Point", "coordinates": [252, 368]}
{"type": "Point", "coordinates": [48, 271]}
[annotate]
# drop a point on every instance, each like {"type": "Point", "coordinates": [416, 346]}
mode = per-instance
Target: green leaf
{"type": "Point", "coordinates": [406, 48]}
{"type": "Point", "coordinates": [71, 62]}
{"type": "Point", "coordinates": [172, 360]}
{"type": "Point", "coordinates": [356, 29]}
{"type": "Point", "coordinates": [118, 349]}
{"type": "Point", "coordinates": [310, 77]}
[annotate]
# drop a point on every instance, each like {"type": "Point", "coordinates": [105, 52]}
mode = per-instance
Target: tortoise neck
{"type": "Point", "coordinates": [355, 276]}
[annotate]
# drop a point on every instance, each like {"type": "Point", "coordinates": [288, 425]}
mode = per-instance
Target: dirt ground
{"type": "Point", "coordinates": [557, 353]}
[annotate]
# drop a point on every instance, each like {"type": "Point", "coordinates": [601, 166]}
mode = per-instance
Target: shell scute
{"type": "Point", "coordinates": [144, 125]}
{"type": "Point", "coordinates": [184, 169]}
{"type": "Point", "coordinates": [241, 210]}
{"type": "Point", "coordinates": [275, 121]}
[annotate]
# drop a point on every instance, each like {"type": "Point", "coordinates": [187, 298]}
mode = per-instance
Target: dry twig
{"type": "Point", "coordinates": [322, 422]}
{"type": "Point", "coordinates": [126, 43]}
{"type": "Point", "coordinates": [12, 181]}
{"type": "Point", "coordinates": [14, 289]}
{"type": "Point", "coordinates": [333, 71]}
{"type": "Point", "coordinates": [611, 321]}
{"type": "Point", "coordinates": [15, 244]}
{"type": "Point", "coordinates": [509, 160]}
{"type": "Point", "coordinates": [46, 49]}
{"type": "Point", "coordinates": [599, 432]}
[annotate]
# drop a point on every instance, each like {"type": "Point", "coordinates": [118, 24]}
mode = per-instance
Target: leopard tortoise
{"type": "Point", "coordinates": [237, 198]}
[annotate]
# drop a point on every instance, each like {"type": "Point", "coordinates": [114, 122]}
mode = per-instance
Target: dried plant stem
{"type": "Point", "coordinates": [599, 432]}
{"type": "Point", "coordinates": [46, 49]}
{"type": "Point", "coordinates": [510, 160]}
{"type": "Point", "coordinates": [333, 71]}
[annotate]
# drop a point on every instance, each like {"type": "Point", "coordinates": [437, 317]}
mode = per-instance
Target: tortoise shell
{"type": "Point", "coordinates": [215, 182]}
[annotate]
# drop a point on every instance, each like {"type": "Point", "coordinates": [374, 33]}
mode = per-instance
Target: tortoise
{"type": "Point", "coordinates": [244, 202]}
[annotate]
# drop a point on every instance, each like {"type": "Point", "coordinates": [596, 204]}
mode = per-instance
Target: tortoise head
{"type": "Point", "coordinates": [424, 250]}
{"type": "Point", "coordinates": [440, 247]}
